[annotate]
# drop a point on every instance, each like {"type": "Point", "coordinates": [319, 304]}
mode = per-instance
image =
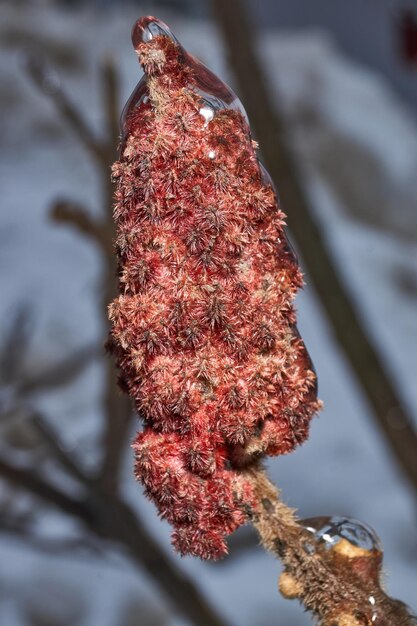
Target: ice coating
{"type": "Point", "coordinates": [351, 547]}
{"type": "Point", "coordinates": [328, 531]}
{"type": "Point", "coordinates": [204, 329]}
{"type": "Point", "coordinates": [148, 27]}
{"type": "Point", "coordinates": [215, 94]}
{"type": "Point", "coordinates": [138, 97]}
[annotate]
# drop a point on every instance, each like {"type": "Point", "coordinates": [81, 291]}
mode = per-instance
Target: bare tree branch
{"type": "Point", "coordinates": [110, 88]}
{"type": "Point", "coordinates": [15, 343]}
{"type": "Point", "coordinates": [69, 546]}
{"type": "Point", "coordinates": [59, 450]}
{"type": "Point", "coordinates": [102, 510]}
{"type": "Point", "coordinates": [47, 82]}
{"type": "Point", "coordinates": [112, 519]}
{"type": "Point", "coordinates": [339, 584]}
{"type": "Point", "coordinates": [67, 212]}
{"type": "Point", "coordinates": [117, 407]}
{"type": "Point", "coordinates": [30, 482]}
{"type": "Point", "coordinates": [62, 373]}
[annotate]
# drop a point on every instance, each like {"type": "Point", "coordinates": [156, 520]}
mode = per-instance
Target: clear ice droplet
{"type": "Point", "coordinates": [139, 96]}
{"type": "Point", "coordinates": [214, 94]}
{"type": "Point", "coordinates": [147, 28]}
{"type": "Point", "coordinates": [143, 31]}
{"type": "Point", "coordinates": [328, 531]}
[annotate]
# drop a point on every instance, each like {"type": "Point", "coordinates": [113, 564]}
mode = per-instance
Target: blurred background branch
{"type": "Point", "coordinates": [100, 506]}
{"type": "Point", "coordinates": [112, 519]}
{"type": "Point", "coordinates": [116, 407]}
{"type": "Point", "coordinates": [377, 384]}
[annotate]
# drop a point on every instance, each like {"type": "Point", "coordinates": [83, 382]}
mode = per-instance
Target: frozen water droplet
{"type": "Point", "coordinates": [374, 614]}
{"type": "Point", "coordinates": [287, 250]}
{"type": "Point", "coordinates": [344, 537]}
{"type": "Point", "coordinates": [328, 531]}
{"type": "Point", "coordinates": [286, 246]}
{"type": "Point", "coordinates": [207, 113]}
{"type": "Point", "coordinates": [149, 27]}
{"type": "Point", "coordinates": [138, 97]}
{"type": "Point", "coordinates": [144, 30]}
{"type": "Point", "coordinates": [265, 176]}
{"type": "Point", "coordinates": [215, 94]}
{"type": "Point", "coordinates": [211, 100]}
{"type": "Point", "coordinates": [309, 547]}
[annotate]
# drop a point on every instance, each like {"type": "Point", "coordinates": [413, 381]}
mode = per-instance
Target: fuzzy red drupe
{"type": "Point", "coordinates": [204, 328]}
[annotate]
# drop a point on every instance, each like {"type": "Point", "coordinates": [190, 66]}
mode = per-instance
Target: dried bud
{"type": "Point", "coordinates": [204, 329]}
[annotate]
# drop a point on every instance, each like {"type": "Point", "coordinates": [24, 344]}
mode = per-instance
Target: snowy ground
{"type": "Point", "coordinates": [339, 114]}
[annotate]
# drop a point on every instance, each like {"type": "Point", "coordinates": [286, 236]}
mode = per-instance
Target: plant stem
{"type": "Point", "coordinates": [324, 581]}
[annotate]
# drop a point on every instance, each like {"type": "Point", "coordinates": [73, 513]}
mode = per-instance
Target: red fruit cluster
{"type": "Point", "coordinates": [204, 329]}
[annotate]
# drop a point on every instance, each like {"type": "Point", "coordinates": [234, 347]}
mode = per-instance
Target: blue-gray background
{"type": "Point", "coordinates": [349, 95]}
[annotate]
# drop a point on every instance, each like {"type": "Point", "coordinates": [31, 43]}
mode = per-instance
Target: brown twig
{"type": "Point", "coordinates": [341, 586]}
{"type": "Point", "coordinates": [376, 383]}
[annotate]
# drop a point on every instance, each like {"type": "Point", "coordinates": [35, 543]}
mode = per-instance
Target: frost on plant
{"type": "Point", "coordinates": [204, 328]}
